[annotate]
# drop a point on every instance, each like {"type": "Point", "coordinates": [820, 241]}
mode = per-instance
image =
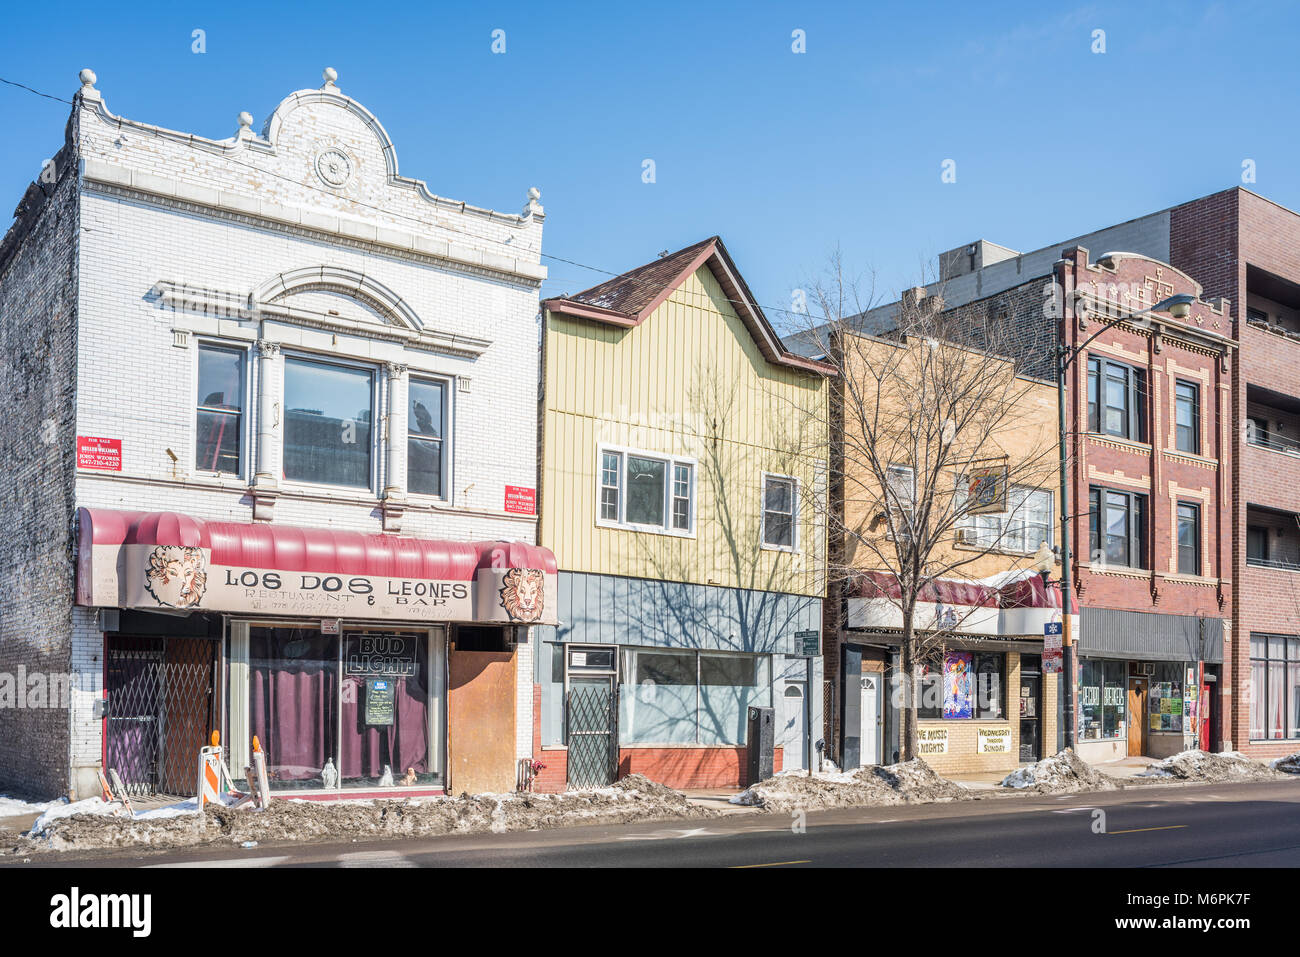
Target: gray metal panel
{"type": "Point", "coordinates": [1154, 637]}
{"type": "Point", "coordinates": [604, 609]}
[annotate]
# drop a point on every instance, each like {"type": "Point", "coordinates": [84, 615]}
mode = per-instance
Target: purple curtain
{"type": "Point", "coordinates": [403, 744]}
{"type": "Point", "coordinates": [292, 700]}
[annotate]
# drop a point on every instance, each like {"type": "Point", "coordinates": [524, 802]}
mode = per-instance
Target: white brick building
{"type": "Point", "coordinates": [244, 338]}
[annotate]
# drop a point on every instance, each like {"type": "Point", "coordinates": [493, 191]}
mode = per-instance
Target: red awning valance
{"type": "Point", "coordinates": [169, 559]}
{"type": "Point", "coordinates": [1028, 591]}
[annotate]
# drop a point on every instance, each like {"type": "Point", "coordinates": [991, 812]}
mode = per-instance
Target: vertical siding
{"type": "Point", "coordinates": [658, 388]}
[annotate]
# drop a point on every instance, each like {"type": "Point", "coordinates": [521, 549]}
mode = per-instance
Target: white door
{"type": "Point", "coordinates": [870, 719]}
{"type": "Point", "coordinates": [795, 737]}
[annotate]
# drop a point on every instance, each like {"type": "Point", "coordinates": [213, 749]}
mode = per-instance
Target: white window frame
{"type": "Point", "coordinates": [245, 416]}
{"type": "Point", "coordinates": [670, 463]}
{"type": "Point", "coordinates": [794, 513]}
{"type": "Point", "coordinates": [449, 417]}
{"type": "Point", "coordinates": [909, 512]}
{"type": "Point", "coordinates": [971, 523]}
{"type": "Point", "coordinates": [376, 430]}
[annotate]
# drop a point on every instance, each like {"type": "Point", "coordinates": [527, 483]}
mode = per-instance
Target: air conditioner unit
{"type": "Point", "coordinates": [1146, 668]}
{"type": "Point", "coordinates": [965, 536]}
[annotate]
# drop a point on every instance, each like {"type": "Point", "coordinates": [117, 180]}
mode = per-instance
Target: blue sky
{"type": "Point", "coordinates": [785, 155]}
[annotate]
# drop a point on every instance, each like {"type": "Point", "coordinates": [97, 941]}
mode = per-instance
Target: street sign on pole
{"type": "Point", "coordinates": [1052, 642]}
{"type": "Point", "coordinates": [809, 642]}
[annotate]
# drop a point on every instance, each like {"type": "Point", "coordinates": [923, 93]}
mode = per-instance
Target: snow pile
{"type": "Point", "coordinates": [1063, 773]}
{"type": "Point", "coordinates": [1198, 765]}
{"type": "Point", "coordinates": [913, 782]}
{"type": "Point", "coordinates": [1290, 764]}
{"type": "Point", "coordinates": [13, 806]}
{"type": "Point", "coordinates": [99, 808]}
{"type": "Point", "coordinates": [633, 798]}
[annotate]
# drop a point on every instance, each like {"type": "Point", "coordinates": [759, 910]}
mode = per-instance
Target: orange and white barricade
{"type": "Point", "coordinates": [209, 777]}
{"type": "Point", "coordinates": [215, 779]}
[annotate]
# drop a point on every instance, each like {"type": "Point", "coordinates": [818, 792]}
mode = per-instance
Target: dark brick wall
{"type": "Point", "coordinates": [38, 321]}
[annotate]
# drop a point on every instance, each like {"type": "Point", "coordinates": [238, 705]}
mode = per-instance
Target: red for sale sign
{"type": "Point", "coordinates": [99, 453]}
{"type": "Point", "coordinates": [522, 501]}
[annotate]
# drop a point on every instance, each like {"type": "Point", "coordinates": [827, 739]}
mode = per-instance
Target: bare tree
{"type": "Point", "coordinates": [925, 408]}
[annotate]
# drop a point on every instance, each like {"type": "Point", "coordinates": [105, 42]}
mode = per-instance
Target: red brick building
{"type": "Point", "coordinates": [1151, 481]}
{"type": "Point", "coordinates": [1247, 249]}
{"type": "Point", "coordinates": [1242, 249]}
{"type": "Point", "coordinates": [1149, 412]}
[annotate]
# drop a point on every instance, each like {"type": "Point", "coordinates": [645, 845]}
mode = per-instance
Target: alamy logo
{"type": "Point", "coordinates": [77, 910]}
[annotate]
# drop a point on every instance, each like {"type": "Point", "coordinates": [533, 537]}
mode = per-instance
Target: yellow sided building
{"type": "Point", "coordinates": [684, 493]}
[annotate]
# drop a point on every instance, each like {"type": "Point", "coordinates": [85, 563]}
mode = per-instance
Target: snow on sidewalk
{"type": "Point", "coordinates": [1063, 773]}
{"type": "Point", "coordinates": [1288, 765]}
{"type": "Point", "coordinates": [912, 782]}
{"type": "Point", "coordinates": [1197, 765]}
{"type": "Point", "coordinates": [94, 824]}
{"type": "Point", "coordinates": [13, 806]}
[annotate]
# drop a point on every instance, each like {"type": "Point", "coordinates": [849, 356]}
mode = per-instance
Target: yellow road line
{"type": "Point", "coordinates": [741, 867]}
{"type": "Point", "coordinates": [1138, 830]}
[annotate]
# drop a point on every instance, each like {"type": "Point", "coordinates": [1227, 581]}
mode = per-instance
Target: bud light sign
{"type": "Point", "coordinates": [380, 656]}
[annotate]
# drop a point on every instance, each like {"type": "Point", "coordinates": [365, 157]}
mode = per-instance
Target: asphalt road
{"type": "Point", "coordinates": [1215, 825]}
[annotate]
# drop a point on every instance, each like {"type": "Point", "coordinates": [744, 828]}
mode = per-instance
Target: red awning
{"type": "Point", "coordinates": [1026, 592]}
{"type": "Point", "coordinates": [239, 549]}
{"type": "Point", "coordinates": [949, 591]}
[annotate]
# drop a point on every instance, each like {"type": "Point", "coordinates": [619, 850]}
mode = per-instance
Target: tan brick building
{"type": "Point", "coordinates": [986, 703]}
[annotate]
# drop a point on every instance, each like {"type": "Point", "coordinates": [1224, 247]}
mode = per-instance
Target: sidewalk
{"type": "Point", "coordinates": [718, 799]}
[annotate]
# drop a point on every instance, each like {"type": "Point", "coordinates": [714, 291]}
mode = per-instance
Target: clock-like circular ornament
{"type": "Point", "coordinates": [333, 167]}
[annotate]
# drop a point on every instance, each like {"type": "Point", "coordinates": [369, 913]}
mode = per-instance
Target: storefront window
{"type": "Point", "coordinates": [657, 698]}
{"type": "Point", "coordinates": [1165, 699]}
{"type": "Point", "coordinates": [689, 697]}
{"type": "Point", "coordinates": [1102, 699]}
{"type": "Point", "coordinates": [958, 684]}
{"type": "Point", "coordinates": [357, 715]}
{"type": "Point", "coordinates": [293, 702]}
{"type": "Point", "coordinates": [929, 691]}
{"type": "Point", "coordinates": [966, 685]}
{"type": "Point", "coordinates": [990, 682]}
{"type": "Point", "coordinates": [729, 685]}
{"type": "Point", "coordinates": [385, 706]}
{"type": "Point", "coordinates": [1274, 687]}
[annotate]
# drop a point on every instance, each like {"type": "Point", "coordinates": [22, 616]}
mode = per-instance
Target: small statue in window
{"type": "Point", "coordinates": [409, 778]}
{"type": "Point", "coordinates": [329, 775]}
{"type": "Point", "coordinates": [386, 779]}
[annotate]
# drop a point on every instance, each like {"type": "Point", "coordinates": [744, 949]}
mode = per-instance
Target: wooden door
{"type": "Point", "coordinates": [1137, 716]}
{"type": "Point", "coordinates": [481, 722]}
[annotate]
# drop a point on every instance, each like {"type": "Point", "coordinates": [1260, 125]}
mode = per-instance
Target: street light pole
{"type": "Point", "coordinates": [1067, 647]}
{"type": "Point", "coordinates": [1178, 306]}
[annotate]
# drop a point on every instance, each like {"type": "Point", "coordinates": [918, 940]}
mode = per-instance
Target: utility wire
{"type": "Point", "coordinates": [158, 132]}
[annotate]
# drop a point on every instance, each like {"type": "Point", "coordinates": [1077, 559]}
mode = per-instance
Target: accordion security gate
{"type": "Point", "coordinates": [592, 723]}
{"type": "Point", "coordinates": [160, 711]}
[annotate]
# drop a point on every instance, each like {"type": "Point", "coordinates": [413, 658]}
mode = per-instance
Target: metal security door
{"type": "Point", "coordinates": [160, 696]}
{"type": "Point", "coordinates": [591, 717]}
{"type": "Point", "coordinates": [132, 669]}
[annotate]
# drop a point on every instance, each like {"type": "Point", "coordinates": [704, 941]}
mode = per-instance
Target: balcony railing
{"type": "Point", "coordinates": [1280, 564]}
{"type": "Point", "coordinates": [1272, 441]}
